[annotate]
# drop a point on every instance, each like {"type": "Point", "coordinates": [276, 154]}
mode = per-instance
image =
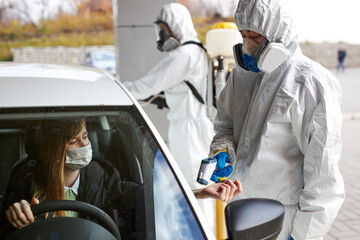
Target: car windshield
{"type": "Point", "coordinates": [127, 175]}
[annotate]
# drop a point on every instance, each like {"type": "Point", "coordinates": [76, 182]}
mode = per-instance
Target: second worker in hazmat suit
{"type": "Point", "coordinates": [190, 130]}
{"type": "Point", "coordinates": [279, 120]}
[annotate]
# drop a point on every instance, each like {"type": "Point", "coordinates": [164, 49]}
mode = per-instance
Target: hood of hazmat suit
{"type": "Point", "coordinates": [178, 19]}
{"type": "Point", "coordinates": [190, 130]}
{"type": "Point", "coordinates": [283, 129]}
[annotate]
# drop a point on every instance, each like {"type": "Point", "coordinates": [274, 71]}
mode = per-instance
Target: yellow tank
{"type": "Point", "coordinates": [221, 39]}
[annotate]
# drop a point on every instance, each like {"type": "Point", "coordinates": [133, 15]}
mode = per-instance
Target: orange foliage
{"type": "Point", "coordinates": [93, 6]}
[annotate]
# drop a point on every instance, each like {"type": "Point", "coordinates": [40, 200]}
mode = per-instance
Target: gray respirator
{"type": "Point", "coordinates": [164, 41]}
{"type": "Point", "coordinates": [266, 58]}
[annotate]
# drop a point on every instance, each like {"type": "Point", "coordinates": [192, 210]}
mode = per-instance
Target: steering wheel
{"type": "Point", "coordinates": [68, 225]}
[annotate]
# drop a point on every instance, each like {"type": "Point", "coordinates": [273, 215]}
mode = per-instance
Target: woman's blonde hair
{"type": "Point", "coordinates": [51, 139]}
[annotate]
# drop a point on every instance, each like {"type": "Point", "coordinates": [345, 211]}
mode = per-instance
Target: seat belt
{"type": "Point", "coordinates": [192, 88]}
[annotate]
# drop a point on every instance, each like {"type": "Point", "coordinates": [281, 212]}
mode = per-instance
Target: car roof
{"type": "Point", "coordinates": [36, 85]}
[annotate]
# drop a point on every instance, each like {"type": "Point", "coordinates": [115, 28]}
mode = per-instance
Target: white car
{"type": "Point", "coordinates": [158, 203]}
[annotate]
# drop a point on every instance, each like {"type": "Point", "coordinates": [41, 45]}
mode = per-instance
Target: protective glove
{"type": "Point", "coordinates": [223, 166]}
{"type": "Point", "coordinates": [291, 238]}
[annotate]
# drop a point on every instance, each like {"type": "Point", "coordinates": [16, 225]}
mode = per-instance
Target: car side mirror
{"type": "Point", "coordinates": [254, 218]}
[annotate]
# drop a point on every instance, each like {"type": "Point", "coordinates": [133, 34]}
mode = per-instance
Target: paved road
{"type": "Point", "coordinates": [347, 223]}
{"type": "Point", "coordinates": [350, 83]}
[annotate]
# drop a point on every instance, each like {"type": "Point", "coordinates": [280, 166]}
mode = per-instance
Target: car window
{"type": "Point", "coordinates": [128, 177]}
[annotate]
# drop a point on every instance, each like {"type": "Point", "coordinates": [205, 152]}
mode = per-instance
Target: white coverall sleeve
{"type": "Point", "coordinates": [170, 71]}
{"type": "Point", "coordinates": [323, 192]}
{"type": "Point", "coordinates": [223, 124]}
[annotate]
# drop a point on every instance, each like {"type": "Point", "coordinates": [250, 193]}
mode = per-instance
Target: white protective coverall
{"type": "Point", "coordinates": [283, 129]}
{"type": "Point", "coordinates": [190, 130]}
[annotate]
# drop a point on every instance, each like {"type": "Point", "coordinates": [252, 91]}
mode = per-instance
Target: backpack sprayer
{"type": "Point", "coordinates": [219, 44]}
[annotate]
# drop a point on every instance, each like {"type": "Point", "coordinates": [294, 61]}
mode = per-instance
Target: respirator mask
{"type": "Point", "coordinates": [79, 157]}
{"type": "Point", "coordinates": [164, 41]}
{"type": "Point", "coordinates": [266, 58]}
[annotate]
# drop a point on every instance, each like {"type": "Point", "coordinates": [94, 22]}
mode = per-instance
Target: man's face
{"type": "Point", "coordinates": [251, 41]}
{"type": "Point", "coordinates": [164, 27]}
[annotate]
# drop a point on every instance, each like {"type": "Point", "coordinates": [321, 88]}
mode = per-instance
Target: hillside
{"type": "Point", "coordinates": [66, 30]}
{"type": "Point", "coordinates": [72, 31]}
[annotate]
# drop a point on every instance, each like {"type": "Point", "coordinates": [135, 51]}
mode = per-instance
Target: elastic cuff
{"type": "Point", "coordinates": [219, 151]}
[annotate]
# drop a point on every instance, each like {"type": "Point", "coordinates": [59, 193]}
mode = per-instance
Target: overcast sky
{"type": "Point", "coordinates": [317, 20]}
{"type": "Point", "coordinates": [327, 20]}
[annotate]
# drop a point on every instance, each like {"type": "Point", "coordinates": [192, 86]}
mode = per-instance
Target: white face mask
{"type": "Point", "coordinates": [79, 157]}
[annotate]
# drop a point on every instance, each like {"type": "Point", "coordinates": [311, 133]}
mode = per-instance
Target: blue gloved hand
{"type": "Point", "coordinates": [223, 167]}
{"type": "Point", "coordinates": [291, 238]}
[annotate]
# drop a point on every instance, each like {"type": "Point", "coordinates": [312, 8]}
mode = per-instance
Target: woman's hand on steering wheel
{"type": "Point", "coordinates": [19, 214]}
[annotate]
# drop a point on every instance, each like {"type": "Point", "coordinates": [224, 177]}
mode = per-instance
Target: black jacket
{"type": "Point", "coordinates": [100, 185]}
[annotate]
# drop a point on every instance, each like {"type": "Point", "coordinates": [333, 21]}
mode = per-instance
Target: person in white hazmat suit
{"type": "Point", "coordinates": [190, 130]}
{"type": "Point", "coordinates": [279, 120]}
